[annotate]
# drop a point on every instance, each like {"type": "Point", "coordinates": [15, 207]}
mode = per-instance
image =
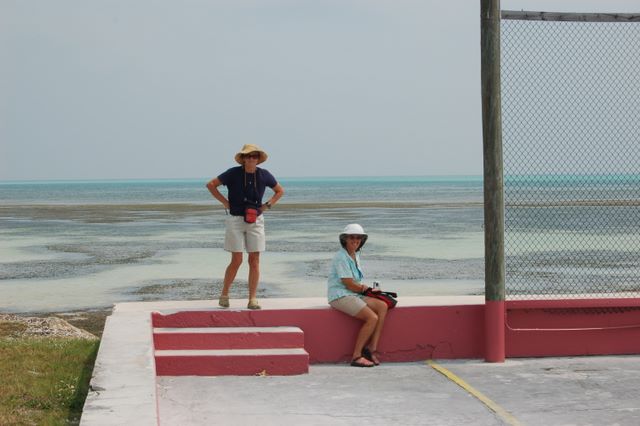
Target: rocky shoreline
{"type": "Point", "coordinates": [78, 325]}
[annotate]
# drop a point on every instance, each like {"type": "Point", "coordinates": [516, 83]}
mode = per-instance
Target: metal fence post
{"type": "Point", "coordinates": [493, 182]}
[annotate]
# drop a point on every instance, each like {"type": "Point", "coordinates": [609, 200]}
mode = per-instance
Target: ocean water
{"type": "Point", "coordinates": [78, 245]}
{"type": "Point", "coordinates": [298, 190]}
{"type": "Point", "coordinates": [573, 235]}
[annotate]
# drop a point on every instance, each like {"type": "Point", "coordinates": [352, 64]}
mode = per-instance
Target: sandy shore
{"type": "Point", "coordinates": [112, 213]}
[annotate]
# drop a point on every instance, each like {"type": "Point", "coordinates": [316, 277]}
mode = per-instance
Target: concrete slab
{"type": "Point", "coordinates": [392, 394]}
{"type": "Point", "coordinates": [598, 390]}
{"type": "Point", "coordinates": [541, 391]}
{"type": "Point", "coordinates": [550, 391]}
{"type": "Point", "coordinates": [123, 386]}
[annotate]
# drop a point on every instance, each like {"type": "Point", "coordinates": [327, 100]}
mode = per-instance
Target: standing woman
{"type": "Point", "coordinates": [344, 291]}
{"type": "Point", "coordinates": [246, 185]}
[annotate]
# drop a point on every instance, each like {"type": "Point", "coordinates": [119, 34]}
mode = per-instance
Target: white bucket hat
{"type": "Point", "coordinates": [353, 229]}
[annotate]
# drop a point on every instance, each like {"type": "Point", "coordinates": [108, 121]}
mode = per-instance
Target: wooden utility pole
{"type": "Point", "coordinates": [493, 182]}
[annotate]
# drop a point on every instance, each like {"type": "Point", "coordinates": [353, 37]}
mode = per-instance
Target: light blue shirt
{"type": "Point", "coordinates": [343, 266]}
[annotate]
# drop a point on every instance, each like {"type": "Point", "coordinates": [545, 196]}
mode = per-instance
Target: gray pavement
{"type": "Point", "coordinates": [543, 391]}
{"type": "Point", "coordinates": [393, 394]}
{"type": "Point", "coordinates": [600, 390]}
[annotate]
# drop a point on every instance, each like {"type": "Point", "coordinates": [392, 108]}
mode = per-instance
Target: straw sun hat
{"type": "Point", "coordinates": [248, 149]}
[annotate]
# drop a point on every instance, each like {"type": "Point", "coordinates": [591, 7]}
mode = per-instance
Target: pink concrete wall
{"type": "Point", "coordinates": [410, 333]}
{"type": "Point", "coordinates": [415, 333]}
{"type": "Point", "coordinates": [573, 327]}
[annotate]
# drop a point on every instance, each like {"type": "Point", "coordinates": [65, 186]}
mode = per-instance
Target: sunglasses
{"type": "Point", "coordinates": [255, 156]}
{"type": "Point", "coordinates": [354, 237]}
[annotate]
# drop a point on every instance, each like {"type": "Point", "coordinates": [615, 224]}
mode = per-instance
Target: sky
{"type": "Point", "coordinates": [121, 89]}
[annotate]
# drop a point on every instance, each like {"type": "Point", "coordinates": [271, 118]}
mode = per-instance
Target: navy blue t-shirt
{"type": "Point", "coordinates": [246, 189]}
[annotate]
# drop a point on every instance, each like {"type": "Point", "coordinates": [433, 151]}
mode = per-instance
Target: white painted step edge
{"type": "Point", "coordinates": [231, 352]}
{"type": "Point", "coordinates": [224, 330]}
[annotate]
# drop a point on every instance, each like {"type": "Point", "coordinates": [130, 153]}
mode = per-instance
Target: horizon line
{"type": "Point", "coordinates": [205, 179]}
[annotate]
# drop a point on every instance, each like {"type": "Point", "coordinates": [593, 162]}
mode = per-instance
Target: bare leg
{"type": "Point", "coordinates": [370, 319]}
{"type": "Point", "coordinates": [380, 308]}
{"type": "Point", "coordinates": [231, 271]}
{"type": "Point", "coordinates": [254, 273]}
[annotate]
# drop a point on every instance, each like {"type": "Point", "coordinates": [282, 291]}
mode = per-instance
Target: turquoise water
{"type": "Point", "coordinates": [412, 189]}
{"type": "Point", "coordinates": [299, 190]}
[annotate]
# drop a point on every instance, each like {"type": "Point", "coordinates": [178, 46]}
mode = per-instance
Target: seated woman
{"type": "Point", "coordinates": [344, 288]}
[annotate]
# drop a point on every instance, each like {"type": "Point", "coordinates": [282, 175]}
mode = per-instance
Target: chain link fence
{"type": "Point", "coordinates": [571, 152]}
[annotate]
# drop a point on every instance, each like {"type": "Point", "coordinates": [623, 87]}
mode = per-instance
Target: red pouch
{"type": "Point", "coordinates": [250, 215]}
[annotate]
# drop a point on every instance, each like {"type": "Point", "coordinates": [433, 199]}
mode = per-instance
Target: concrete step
{"type": "Point", "coordinates": [233, 362]}
{"type": "Point", "coordinates": [228, 338]}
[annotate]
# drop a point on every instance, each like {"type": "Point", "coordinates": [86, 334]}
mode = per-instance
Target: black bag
{"type": "Point", "coordinates": [387, 297]}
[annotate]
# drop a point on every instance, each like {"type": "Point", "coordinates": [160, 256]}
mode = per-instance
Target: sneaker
{"type": "Point", "coordinates": [253, 304]}
{"type": "Point", "coordinates": [223, 301]}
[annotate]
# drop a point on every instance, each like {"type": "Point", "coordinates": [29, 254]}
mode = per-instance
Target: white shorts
{"type": "Point", "coordinates": [241, 236]}
{"type": "Point", "coordinates": [350, 305]}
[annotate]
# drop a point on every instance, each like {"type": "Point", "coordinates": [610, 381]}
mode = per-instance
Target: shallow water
{"type": "Point", "coordinates": [65, 259]}
{"type": "Point", "coordinates": [69, 246]}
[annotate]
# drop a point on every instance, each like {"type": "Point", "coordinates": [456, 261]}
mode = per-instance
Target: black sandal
{"type": "Point", "coordinates": [371, 356]}
{"type": "Point", "coordinates": [356, 362]}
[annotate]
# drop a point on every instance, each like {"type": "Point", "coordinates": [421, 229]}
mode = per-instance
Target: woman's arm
{"type": "Point", "coordinates": [212, 186]}
{"type": "Point", "coordinates": [353, 286]}
{"type": "Point", "coordinates": [278, 192]}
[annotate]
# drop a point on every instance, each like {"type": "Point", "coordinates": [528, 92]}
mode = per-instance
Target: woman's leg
{"type": "Point", "coordinates": [370, 320]}
{"type": "Point", "coordinates": [231, 271]}
{"type": "Point", "coordinates": [380, 309]}
{"type": "Point", "coordinates": [254, 273]}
